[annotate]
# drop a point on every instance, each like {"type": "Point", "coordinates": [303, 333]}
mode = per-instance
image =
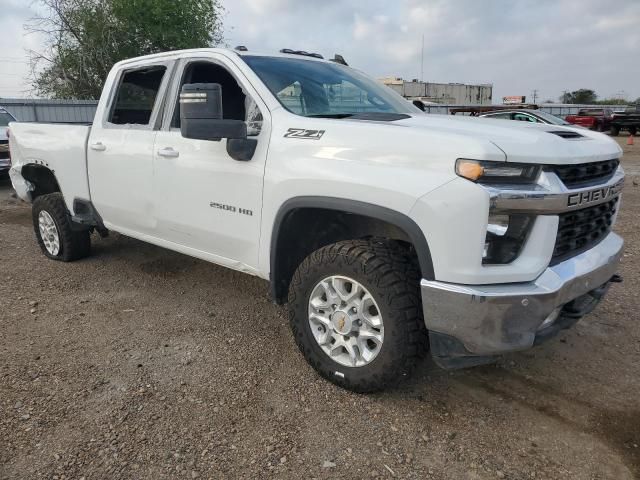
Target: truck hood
{"type": "Point", "coordinates": [522, 142]}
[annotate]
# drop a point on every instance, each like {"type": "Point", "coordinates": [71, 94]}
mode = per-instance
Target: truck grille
{"type": "Point", "coordinates": [581, 230]}
{"type": "Point", "coordinates": [585, 174]}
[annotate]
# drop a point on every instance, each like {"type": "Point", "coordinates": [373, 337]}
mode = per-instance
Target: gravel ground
{"type": "Point", "coordinates": [142, 363]}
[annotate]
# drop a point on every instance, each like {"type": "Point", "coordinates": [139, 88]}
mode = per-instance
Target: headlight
{"type": "Point", "coordinates": [496, 172]}
{"type": "Point", "coordinates": [506, 235]}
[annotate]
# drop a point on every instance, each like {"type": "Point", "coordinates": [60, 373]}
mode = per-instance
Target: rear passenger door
{"type": "Point", "coordinates": [120, 149]}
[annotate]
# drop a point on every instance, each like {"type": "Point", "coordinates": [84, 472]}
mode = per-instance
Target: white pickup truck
{"type": "Point", "coordinates": [387, 231]}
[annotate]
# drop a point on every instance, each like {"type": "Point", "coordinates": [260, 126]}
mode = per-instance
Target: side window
{"type": "Point", "coordinates": [236, 103]}
{"type": "Point", "coordinates": [504, 116]}
{"type": "Point", "coordinates": [136, 96]}
{"type": "Point", "coordinates": [524, 118]}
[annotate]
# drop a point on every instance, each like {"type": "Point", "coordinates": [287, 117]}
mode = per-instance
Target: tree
{"type": "Point", "coordinates": [84, 38]}
{"type": "Point", "coordinates": [583, 96]}
{"type": "Point", "coordinates": [613, 101]}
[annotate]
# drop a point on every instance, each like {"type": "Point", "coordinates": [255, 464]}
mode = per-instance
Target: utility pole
{"type": "Point", "coordinates": [422, 61]}
{"type": "Point", "coordinates": [535, 95]}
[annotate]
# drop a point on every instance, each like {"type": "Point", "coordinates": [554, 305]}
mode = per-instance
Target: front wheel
{"type": "Point", "coordinates": [54, 232]}
{"type": "Point", "coordinates": [615, 131]}
{"type": "Point", "coordinates": [633, 130]}
{"type": "Point", "coordinates": [356, 314]}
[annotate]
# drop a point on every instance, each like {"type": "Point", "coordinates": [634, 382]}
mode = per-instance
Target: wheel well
{"type": "Point", "coordinates": [300, 231]}
{"type": "Point", "coordinates": [43, 180]}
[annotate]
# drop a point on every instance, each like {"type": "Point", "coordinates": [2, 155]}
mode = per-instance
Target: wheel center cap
{"type": "Point", "coordinates": [341, 322]}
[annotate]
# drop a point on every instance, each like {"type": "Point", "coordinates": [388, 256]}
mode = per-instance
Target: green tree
{"type": "Point", "coordinates": [613, 101]}
{"type": "Point", "coordinates": [583, 96]}
{"type": "Point", "coordinates": [84, 38]}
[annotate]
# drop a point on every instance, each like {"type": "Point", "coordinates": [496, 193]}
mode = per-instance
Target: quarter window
{"type": "Point", "coordinates": [136, 96]}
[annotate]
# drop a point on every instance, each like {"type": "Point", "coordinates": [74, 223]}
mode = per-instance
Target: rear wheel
{"type": "Point", "coordinates": [633, 130]}
{"type": "Point", "coordinates": [614, 131]}
{"type": "Point", "coordinates": [356, 314]}
{"type": "Point", "coordinates": [54, 232]}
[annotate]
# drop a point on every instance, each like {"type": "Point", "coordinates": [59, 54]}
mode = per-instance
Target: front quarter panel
{"type": "Point", "coordinates": [379, 163]}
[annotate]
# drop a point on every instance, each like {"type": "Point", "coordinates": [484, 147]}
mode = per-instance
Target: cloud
{"type": "Point", "coordinates": [518, 45]}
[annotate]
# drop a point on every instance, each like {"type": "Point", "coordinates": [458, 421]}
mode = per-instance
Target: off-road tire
{"type": "Point", "coordinates": [633, 130]}
{"type": "Point", "coordinates": [391, 275]}
{"type": "Point", "coordinates": [74, 244]}
{"type": "Point", "coordinates": [615, 131]}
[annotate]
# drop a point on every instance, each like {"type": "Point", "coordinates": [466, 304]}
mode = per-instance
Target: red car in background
{"type": "Point", "coordinates": [593, 118]}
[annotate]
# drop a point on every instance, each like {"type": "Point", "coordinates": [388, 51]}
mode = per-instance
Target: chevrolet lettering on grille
{"type": "Point", "coordinates": [596, 195]}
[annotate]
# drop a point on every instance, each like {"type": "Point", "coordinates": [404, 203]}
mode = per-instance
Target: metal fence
{"type": "Point", "coordinates": [83, 111]}
{"type": "Point", "coordinates": [53, 111]}
{"type": "Point", "coordinates": [558, 109]}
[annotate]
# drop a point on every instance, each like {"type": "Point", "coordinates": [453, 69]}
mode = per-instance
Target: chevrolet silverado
{"type": "Point", "coordinates": [387, 231]}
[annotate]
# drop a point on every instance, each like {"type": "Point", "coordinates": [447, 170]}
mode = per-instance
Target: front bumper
{"type": "Point", "coordinates": [469, 324]}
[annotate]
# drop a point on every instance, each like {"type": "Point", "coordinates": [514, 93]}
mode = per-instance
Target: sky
{"type": "Point", "coordinates": [517, 45]}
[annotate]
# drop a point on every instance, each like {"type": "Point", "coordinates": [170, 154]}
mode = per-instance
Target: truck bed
{"type": "Point", "coordinates": [60, 147]}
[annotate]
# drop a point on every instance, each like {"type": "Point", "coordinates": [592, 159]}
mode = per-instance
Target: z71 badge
{"type": "Point", "coordinates": [304, 134]}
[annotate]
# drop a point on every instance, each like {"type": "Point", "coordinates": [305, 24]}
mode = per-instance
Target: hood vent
{"type": "Point", "coordinates": [566, 134]}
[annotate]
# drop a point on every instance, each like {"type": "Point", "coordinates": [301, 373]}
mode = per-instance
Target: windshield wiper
{"type": "Point", "coordinates": [331, 115]}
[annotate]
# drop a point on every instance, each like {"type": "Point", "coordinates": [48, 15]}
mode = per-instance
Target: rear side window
{"type": "Point", "coordinates": [136, 96]}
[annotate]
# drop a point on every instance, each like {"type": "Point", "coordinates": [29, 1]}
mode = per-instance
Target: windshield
{"type": "Point", "coordinates": [5, 118]}
{"type": "Point", "coordinates": [319, 89]}
{"type": "Point", "coordinates": [552, 118]}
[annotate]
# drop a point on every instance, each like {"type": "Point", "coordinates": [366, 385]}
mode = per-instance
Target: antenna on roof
{"type": "Point", "coordinates": [339, 59]}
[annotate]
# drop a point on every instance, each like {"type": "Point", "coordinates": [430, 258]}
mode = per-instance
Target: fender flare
{"type": "Point", "coordinates": [400, 220]}
{"type": "Point", "coordinates": [36, 166]}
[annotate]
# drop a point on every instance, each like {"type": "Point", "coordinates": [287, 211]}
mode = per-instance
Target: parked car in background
{"type": "Point", "coordinates": [524, 115]}
{"type": "Point", "coordinates": [593, 118]}
{"type": "Point", "coordinates": [629, 120]}
{"type": "Point", "coordinates": [5, 163]}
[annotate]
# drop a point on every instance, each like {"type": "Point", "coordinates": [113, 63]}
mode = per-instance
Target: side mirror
{"type": "Point", "coordinates": [201, 114]}
{"type": "Point", "coordinates": [419, 104]}
{"type": "Point", "coordinates": [201, 119]}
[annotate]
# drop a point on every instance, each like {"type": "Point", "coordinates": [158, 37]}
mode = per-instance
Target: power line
{"type": "Point", "coordinates": [422, 61]}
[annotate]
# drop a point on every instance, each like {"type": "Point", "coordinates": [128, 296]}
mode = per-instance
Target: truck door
{"type": "Point", "coordinates": [205, 201]}
{"type": "Point", "coordinates": [120, 149]}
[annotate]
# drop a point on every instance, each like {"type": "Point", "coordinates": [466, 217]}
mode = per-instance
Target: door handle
{"type": "Point", "coordinates": [168, 152]}
{"type": "Point", "coordinates": [98, 147]}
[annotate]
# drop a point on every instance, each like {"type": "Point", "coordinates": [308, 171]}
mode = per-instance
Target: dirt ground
{"type": "Point", "coordinates": [142, 363]}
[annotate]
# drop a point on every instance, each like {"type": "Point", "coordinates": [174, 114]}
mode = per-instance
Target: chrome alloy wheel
{"type": "Point", "coordinates": [49, 233]}
{"type": "Point", "coordinates": [346, 321]}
